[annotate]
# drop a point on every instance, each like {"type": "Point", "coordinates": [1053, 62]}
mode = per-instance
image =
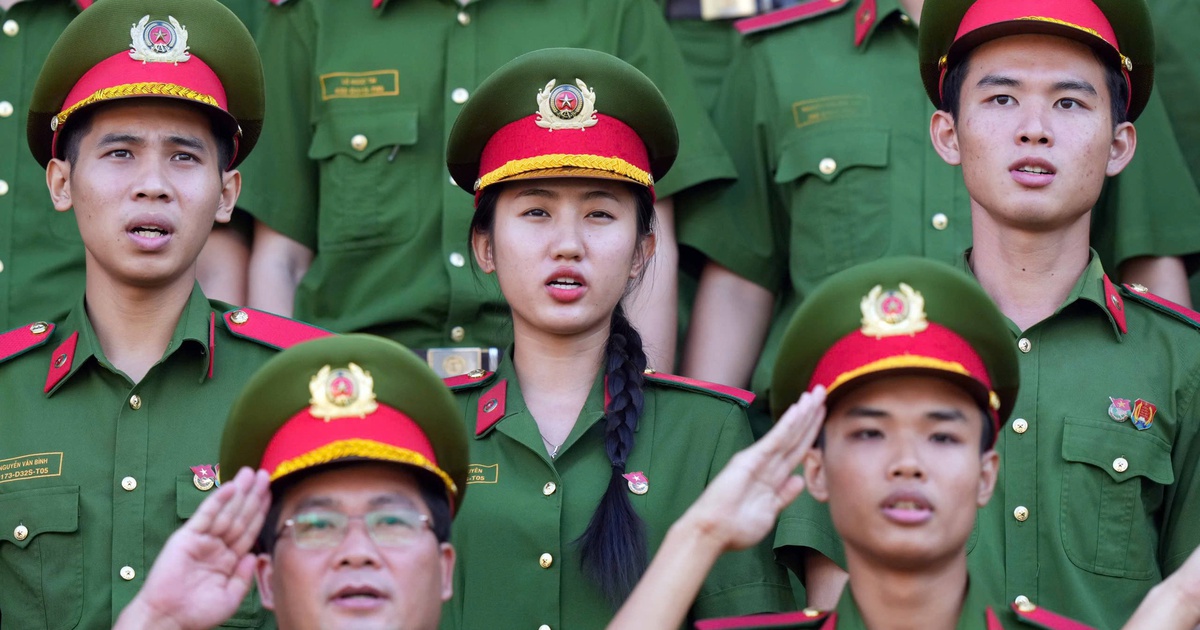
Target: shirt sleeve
{"type": "Point", "coordinates": [280, 181]}
{"type": "Point", "coordinates": [804, 525]}
{"type": "Point", "coordinates": [748, 581]}
{"type": "Point", "coordinates": [1181, 530]}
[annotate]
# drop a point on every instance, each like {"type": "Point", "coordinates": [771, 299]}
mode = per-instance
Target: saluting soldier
{"type": "Point", "coordinates": [582, 457]}
{"type": "Point", "coordinates": [1096, 502]}
{"type": "Point", "coordinates": [913, 362]}
{"type": "Point", "coordinates": [141, 114]}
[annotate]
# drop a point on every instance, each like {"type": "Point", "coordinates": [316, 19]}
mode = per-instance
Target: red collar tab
{"type": "Point", "coordinates": [790, 15]}
{"type": "Point", "coordinates": [83, 4]}
{"type": "Point", "coordinates": [271, 330]}
{"type": "Point", "coordinates": [61, 361]}
{"type": "Point", "coordinates": [1045, 619]}
{"type": "Point", "coordinates": [18, 341]}
{"type": "Point", "coordinates": [491, 407]}
{"type": "Point", "coordinates": [993, 622]}
{"type": "Point", "coordinates": [803, 618]}
{"type": "Point", "coordinates": [1114, 304]}
{"type": "Point", "coordinates": [212, 342]}
{"type": "Point", "coordinates": [740, 395]}
{"type": "Point", "coordinates": [1080, 20]}
{"type": "Point", "coordinates": [864, 19]}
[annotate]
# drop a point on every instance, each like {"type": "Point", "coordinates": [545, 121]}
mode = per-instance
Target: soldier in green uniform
{"type": "Point", "coordinates": [1095, 503]}
{"type": "Point", "coordinates": [141, 114]}
{"type": "Point", "coordinates": [359, 226]}
{"type": "Point", "coordinates": [914, 362]}
{"type": "Point", "coordinates": [345, 429]}
{"type": "Point", "coordinates": [822, 114]}
{"type": "Point", "coordinates": [41, 256]}
{"type": "Point", "coordinates": [581, 456]}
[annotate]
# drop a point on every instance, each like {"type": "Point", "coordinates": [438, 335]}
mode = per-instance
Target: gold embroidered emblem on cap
{"type": "Point", "coordinates": [557, 111]}
{"type": "Point", "coordinates": [158, 41]}
{"type": "Point", "coordinates": [347, 392]}
{"type": "Point", "coordinates": [891, 313]}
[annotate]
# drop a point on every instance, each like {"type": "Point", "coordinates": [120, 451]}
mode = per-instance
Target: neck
{"type": "Point", "coordinates": [1027, 273]}
{"type": "Point", "coordinates": [556, 374]}
{"type": "Point", "coordinates": [134, 325]}
{"type": "Point", "coordinates": [891, 599]}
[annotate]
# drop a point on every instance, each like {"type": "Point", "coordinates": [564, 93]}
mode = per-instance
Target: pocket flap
{"type": "Point", "coordinates": [828, 154]}
{"type": "Point", "coordinates": [1118, 449]}
{"type": "Point", "coordinates": [187, 496]}
{"type": "Point", "coordinates": [39, 511]}
{"type": "Point", "coordinates": [360, 134]}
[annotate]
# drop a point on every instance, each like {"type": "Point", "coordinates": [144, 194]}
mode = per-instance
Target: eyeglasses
{"type": "Point", "coordinates": [324, 530]}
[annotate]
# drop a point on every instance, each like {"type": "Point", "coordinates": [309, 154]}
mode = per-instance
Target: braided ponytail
{"type": "Point", "coordinates": [614, 544]}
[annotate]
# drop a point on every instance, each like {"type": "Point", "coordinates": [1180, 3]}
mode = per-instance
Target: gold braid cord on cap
{"type": "Point", "coordinates": [366, 449]}
{"type": "Point", "coordinates": [137, 89]}
{"type": "Point", "coordinates": [559, 160]}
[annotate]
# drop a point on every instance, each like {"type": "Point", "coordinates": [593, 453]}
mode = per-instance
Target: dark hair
{"type": "Point", "coordinates": [1118, 88]}
{"type": "Point", "coordinates": [432, 489]}
{"type": "Point", "coordinates": [613, 547]}
{"type": "Point", "coordinates": [81, 123]}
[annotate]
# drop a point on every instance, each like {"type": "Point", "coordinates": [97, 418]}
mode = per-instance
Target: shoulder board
{"type": "Point", "coordinates": [807, 618]}
{"type": "Point", "coordinates": [470, 380]}
{"type": "Point", "coordinates": [739, 396]}
{"type": "Point", "coordinates": [1140, 294]}
{"type": "Point", "coordinates": [18, 341]}
{"type": "Point", "coordinates": [271, 330]}
{"type": "Point", "coordinates": [1041, 618]}
{"type": "Point", "coordinates": [790, 15]}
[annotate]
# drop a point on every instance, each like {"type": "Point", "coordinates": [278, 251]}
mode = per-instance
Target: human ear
{"type": "Point", "coordinates": [264, 570]}
{"type": "Point", "coordinates": [814, 475]}
{"type": "Point", "coordinates": [989, 469]}
{"type": "Point", "coordinates": [447, 560]}
{"type": "Point", "coordinates": [945, 137]}
{"type": "Point", "coordinates": [481, 246]}
{"type": "Point", "coordinates": [644, 252]}
{"type": "Point", "coordinates": [58, 180]}
{"type": "Point", "coordinates": [1121, 152]}
{"type": "Point", "coordinates": [231, 188]}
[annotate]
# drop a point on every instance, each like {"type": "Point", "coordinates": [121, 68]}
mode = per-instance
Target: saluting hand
{"type": "Point", "coordinates": [206, 567]}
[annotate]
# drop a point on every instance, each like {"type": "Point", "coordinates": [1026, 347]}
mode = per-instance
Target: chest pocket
{"type": "Point", "coordinates": [1114, 479]}
{"type": "Point", "coordinates": [368, 177]}
{"type": "Point", "coordinates": [41, 559]}
{"type": "Point", "coordinates": [836, 187]}
{"type": "Point", "coordinates": [250, 613]}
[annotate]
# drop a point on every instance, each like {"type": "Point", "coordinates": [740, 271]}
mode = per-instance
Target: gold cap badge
{"type": "Point", "coordinates": [566, 106]}
{"type": "Point", "coordinates": [347, 392]}
{"type": "Point", "coordinates": [158, 41]}
{"type": "Point", "coordinates": [890, 313]}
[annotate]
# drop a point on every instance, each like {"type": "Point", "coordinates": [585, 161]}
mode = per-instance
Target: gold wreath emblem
{"type": "Point", "coordinates": [347, 392]}
{"type": "Point", "coordinates": [584, 119]}
{"type": "Point", "coordinates": [143, 49]}
{"type": "Point", "coordinates": [890, 313]}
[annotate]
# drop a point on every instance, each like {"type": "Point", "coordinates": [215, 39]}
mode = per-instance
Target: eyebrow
{"type": "Point", "coordinates": [190, 142]}
{"type": "Point", "coordinates": [537, 192]}
{"type": "Point", "coordinates": [392, 499]}
{"type": "Point", "coordinates": [996, 80]}
{"type": "Point", "coordinates": [1075, 86]}
{"type": "Point", "coordinates": [121, 138]}
{"type": "Point", "coordinates": [940, 415]}
{"type": "Point", "coordinates": [1069, 85]}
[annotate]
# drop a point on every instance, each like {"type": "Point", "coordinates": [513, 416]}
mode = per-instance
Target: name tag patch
{"type": "Point", "coordinates": [31, 467]}
{"type": "Point", "coordinates": [360, 84]}
{"type": "Point", "coordinates": [478, 473]}
{"type": "Point", "coordinates": [829, 108]}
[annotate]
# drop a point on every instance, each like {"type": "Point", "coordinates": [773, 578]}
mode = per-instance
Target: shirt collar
{"type": "Point", "coordinates": [973, 615]}
{"type": "Point", "coordinates": [873, 15]}
{"type": "Point", "coordinates": [194, 330]}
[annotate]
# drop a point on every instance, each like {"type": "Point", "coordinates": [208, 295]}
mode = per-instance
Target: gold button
{"type": "Point", "coordinates": [129, 484]}
{"type": "Point", "coordinates": [3, 188]}
{"type": "Point", "coordinates": [1021, 513]}
{"type": "Point", "coordinates": [11, 28]}
{"type": "Point", "coordinates": [543, 627]}
{"type": "Point", "coordinates": [1021, 600]}
{"type": "Point", "coordinates": [904, 18]}
{"type": "Point", "coordinates": [1025, 606]}
{"type": "Point", "coordinates": [549, 488]}
{"type": "Point", "coordinates": [649, 371]}
{"type": "Point", "coordinates": [6, 109]}
{"type": "Point", "coordinates": [1024, 345]}
{"type": "Point", "coordinates": [239, 317]}
{"type": "Point", "coordinates": [811, 612]}
{"type": "Point", "coordinates": [546, 560]}
{"type": "Point", "coordinates": [358, 142]}
{"type": "Point", "coordinates": [460, 95]}
{"type": "Point", "coordinates": [477, 373]}
{"type": "Point", "coordinates": [452, 182]}
{"type": "Point", "coordinates": [1120, 464]}
{"type": "Point", "coordinates": [127, 573]}
{"type": "Point", "coordinates": [1140, 288]}
{"type": "Point", "coordinates": [458, 333]}
{"type": "Point", "coordinates": [940, 221]}
{"type": "Point", "coordinates": [463, 18]}
{"type": "Point", "coordinates": [1020, 425]}
{"type": "Point", "coordinates": [1, 266]}
{"type": "Point", "coordinates": [827, 166]}
{"type": "Point", "coordinates": [21, 532]}
{"type": "Point", "coordinates": [135, 402]}
{"type": "Point", "coordinates": [457, 259]}
{"type": "Point", "coordinates": [38, 328]}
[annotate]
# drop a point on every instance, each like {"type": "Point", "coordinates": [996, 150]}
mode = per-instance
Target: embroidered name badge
{"type": "Point", "coordinates": [360, 84]}
{"type": "Point", "coordinates": [829, 109]}
{"type": "Point", "coordinates": [479, 473]}
{"type": "Point", "coordinates": [32, 466]}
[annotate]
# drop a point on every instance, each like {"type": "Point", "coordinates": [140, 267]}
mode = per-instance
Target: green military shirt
{"type": "Point", "coordinates": [1177, 72]}
{"type": "Point", "coordinates": [977, 614]}
{"type": "Point", "coordinates": [96, 471]}
{"type": "Point", "coordinates": [829, 125]}
{"type": "Point", "coordinates": [518, 565]}
{"type": "Point", "coordinates": [1088, 513]}
{"type": "Point", "coordinates": [351, 164]}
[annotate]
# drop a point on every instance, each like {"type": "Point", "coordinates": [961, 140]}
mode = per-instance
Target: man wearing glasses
{"type": "Point", "coordinates": [361, 456]}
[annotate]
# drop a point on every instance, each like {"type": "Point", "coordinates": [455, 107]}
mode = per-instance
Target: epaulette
{"type": "Point", "coordinates": [807, 618]}
{"type": "Point", "coordinates": [1143, 295]}
{"type": "Point", "coordinates": [789, 15]}
{"type": "Point", "coordinates": [739, 396]}
{"type": "Point", "coordinates": [1042, 618]}
{"type": "Point", "coordinates": [271, 330]}
{"type": "Point", "coordinates": [18, 341]}
{"type": "Point", "coordinates": [470, 380]}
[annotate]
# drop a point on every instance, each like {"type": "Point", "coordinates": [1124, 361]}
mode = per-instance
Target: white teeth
{"type": "Point", "coordinates": [1034, 169]}
{"type": "Point", "coordinates": [905, 505]}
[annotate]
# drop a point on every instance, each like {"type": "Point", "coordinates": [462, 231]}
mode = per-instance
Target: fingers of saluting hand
{"type": "Point", "coordinates": [235, 512]}
{"type": "Point", "coordinates": [789, 440]}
